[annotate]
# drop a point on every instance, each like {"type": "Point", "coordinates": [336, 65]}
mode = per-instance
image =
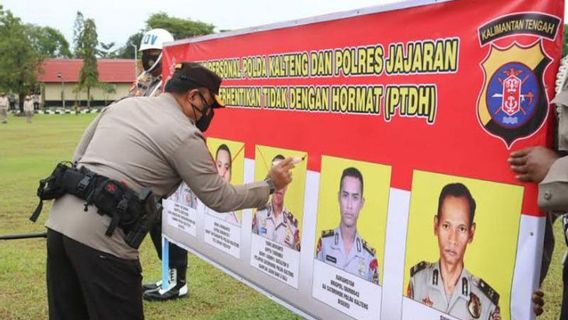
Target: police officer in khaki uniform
{"type": "Point", "coordinates": [28, 108]}
{"type": "Point", "coordinates": [149, 82]}
{"type": "Point", "coordinates": [446, 285]}
{"type": "Point", "coordinates": [143, 142]}
{"type": "Point", "coordinates": [548, 168]}
{"type": "Point", "coordinates": [343, 247]}
{"type": "Point", "coordinates": [4, 103]}
{"type": "Point", "coordinates": [276, 222]}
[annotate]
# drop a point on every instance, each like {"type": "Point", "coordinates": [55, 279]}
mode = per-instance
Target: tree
{"type": "Point", "coordinates": [106, 51]}
{"type": "Point", "coordinates": [78, 27]}
{"type": "Point", "coordinates": [86, 48]}
{"type": "Point", "coordinates": [18, 59]}
{"type": "Point", "coordinates": [127, 52]}
{"type": "Point", "coordinates": [179, 28]}
{"type": "Point", "coordinates": [564, 41]}
{"type": "Point", "coordinates": [48, 42]}
{"type": "Point", "coordinates": [108, 89]}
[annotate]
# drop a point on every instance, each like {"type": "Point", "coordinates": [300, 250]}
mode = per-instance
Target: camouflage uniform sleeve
{"type": "Point", "coordinates": [157, 90]}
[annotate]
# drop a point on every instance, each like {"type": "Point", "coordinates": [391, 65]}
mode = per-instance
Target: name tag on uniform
{"type": "Point", "coordinates": [331, 259]}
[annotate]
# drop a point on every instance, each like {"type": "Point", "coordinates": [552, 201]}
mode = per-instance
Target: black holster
{"type": "Point", "coordinates": [135, 213]}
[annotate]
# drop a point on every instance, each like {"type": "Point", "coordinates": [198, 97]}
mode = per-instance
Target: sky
{"type": "Point", "coordinates": [116, 20]}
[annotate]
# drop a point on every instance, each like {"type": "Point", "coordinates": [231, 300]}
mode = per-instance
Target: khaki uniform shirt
{"type": "Point", "coordinates": [360, 261]}
{"type": "Point", "coordinates": [472, 297]}
{"type": "Point", "coordinates": [146, 142]}
{"type": "Point", "coordinates": [4, 102]}
{"type": "Point", "coordinates": [282, 229]}
{"type": "Point", "coordinates": [553, 190]}
{"type": "Point", "coordinates": [28, 105]}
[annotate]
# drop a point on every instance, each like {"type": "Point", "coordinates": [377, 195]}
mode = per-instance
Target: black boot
{"type": "Point", "coordinates": [177, 287]}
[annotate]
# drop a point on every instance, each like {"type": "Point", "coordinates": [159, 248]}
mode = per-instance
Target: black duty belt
{"type": "Point", "coordinates": [133, 212]}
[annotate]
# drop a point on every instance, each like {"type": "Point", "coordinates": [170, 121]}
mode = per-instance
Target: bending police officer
{"type": "Point", "coordinates": [143, 142]}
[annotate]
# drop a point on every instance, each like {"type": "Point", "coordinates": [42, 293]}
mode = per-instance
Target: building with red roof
{"type": "Point", "coordinates": [59, 78]}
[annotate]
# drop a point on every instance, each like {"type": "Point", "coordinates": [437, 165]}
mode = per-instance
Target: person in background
{"type": "Point", "coordinates": [149, 82]}
{"type": "Point", "coordinates": [28, 108]}
{"type": "Point", "coordinates": [4, 104]}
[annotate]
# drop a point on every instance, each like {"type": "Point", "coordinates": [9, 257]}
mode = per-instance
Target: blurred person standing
{"type": "Point", "coordinates": [4, 104]}
{"type": "Point", "coordinates": [28, 108]}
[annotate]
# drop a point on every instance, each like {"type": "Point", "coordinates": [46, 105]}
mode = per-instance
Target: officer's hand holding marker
{"type": "Point", "coordinates": [296, 160]}
{"type": "Point", "coordinates": [280, 173]}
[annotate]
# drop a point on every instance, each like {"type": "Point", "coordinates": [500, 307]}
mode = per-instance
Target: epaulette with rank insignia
{"type": "Point", "coordinates": [291, 218]}
{"type": "Point", "coordinates": [327, 233]}
{"type": "Point", "coordinates": [419, 267]}
{"type": "Point", "coordinates": [367, 247]}
{"type": "Point", "coordinates": [489, 292]}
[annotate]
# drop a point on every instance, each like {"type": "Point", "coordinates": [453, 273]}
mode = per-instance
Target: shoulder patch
{"type": "Point", "coordinates": [291, 218]}
{"type": "Point", "coordinates": [419, 267]}
{"type": "Point", "coordinates": [327, 233]}
{"type": "Point", "coordinates": [367, 247]}
{"type": "Point", "coordinates": [489, 292]}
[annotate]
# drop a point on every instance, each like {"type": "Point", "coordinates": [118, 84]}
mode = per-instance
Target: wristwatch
{"type": "Point", "coordinates": [270, 185]}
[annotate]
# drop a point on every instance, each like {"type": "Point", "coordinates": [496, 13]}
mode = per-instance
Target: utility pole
{"type": "Point", "coordinates": [135, 60]}
{"type": "Point", "coordinates": [60, 76]}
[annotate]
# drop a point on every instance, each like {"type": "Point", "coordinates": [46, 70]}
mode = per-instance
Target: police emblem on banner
{"type": "Point", "coordinates": [513, 104]}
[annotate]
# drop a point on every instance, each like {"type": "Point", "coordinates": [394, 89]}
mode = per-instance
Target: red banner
{"type": "Point", "coordinates": [429, 91]}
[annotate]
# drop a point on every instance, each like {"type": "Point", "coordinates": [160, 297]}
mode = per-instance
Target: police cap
{"type": "Point", "coordinates": [190, 75]}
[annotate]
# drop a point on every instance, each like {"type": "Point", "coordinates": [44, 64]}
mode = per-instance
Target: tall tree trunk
{"type": "Point", "coordinates": [88, 97]}
{"type": "Point", "coordinates": [21, 98]}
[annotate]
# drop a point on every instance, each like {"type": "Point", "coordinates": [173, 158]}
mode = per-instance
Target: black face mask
{"type": "Point", "coordinates": [149, 60]}
{"type": "Point", "coordinates": [203, 123]}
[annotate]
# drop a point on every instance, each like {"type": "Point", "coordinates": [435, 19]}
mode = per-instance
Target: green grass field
{"type": "Point", "coordinates": [28, 152]}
